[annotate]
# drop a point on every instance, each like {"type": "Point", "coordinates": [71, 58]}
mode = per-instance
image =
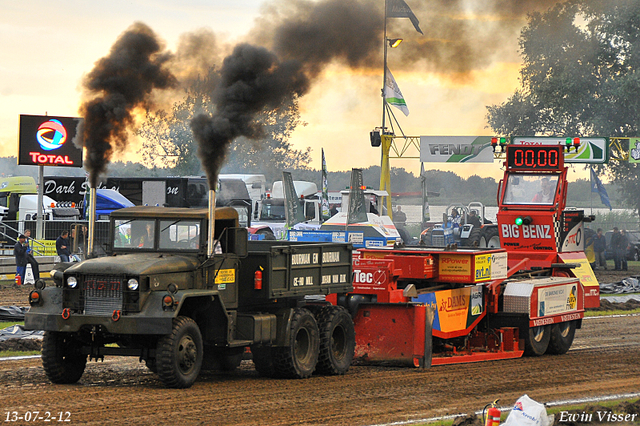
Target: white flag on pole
{"type": "Point", "coordinates": [393, 95]}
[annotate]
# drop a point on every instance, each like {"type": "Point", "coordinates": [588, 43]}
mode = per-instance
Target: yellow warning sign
{"type": "Point", "coordinates": [226, 276]}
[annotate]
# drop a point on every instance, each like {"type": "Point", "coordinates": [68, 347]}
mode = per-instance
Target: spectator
{"type": "Point", "coordinates": [623, 248]}
{"type": "Point", "coordinates": [399, 217]}
{"type": "Point", "coordinates": [20, 252]}
{"type": "Point", "coordinates": [333, 210]}
{"type": "Point", "coordinates": [455, 216]}
{"type": "Point", "coordinates": [146, 241]}
{"type": "Point", "coordinates": [62, 246]}
{"type": "Point", "coordinates": [545, 196]}
{"type": "Point", "coordinates": [614, 243]}
{"type": "Point", "coordinates": [35, 267]}
{"type": "Point", "coordinates": [474, 220]}
{"type": "Point", "coordinates": [599, 247]}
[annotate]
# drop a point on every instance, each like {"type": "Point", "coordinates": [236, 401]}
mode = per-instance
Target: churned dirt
{"type": "Point", "coordinates": [604, 360]}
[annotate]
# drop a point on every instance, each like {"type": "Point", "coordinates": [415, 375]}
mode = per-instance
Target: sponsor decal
{"type": "Point", "coordinates": [526, 231]}
{"type": "Point", "coordinates": [331, 257]}
{"type": "Point", "coordinates": [301, 259]}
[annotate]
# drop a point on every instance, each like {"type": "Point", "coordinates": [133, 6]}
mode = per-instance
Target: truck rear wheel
{"type": "Point", "coordinates": [536, 340]}
{"type": "Point", "coordinates": [61, 357]}
{"type": "Point", "coordinates": [298, 359]}
{"type": "Point", "coordinates": [337, 340]}
{"type": "Point", "coordinates": [561, 337]}
{"type": "Point", "coordinates": [179, 354]}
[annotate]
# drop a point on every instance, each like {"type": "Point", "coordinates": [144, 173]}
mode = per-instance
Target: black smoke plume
{"type": "Point", "coordinates": [252, 80]}
{"type": "Point", "coordinates": [119, 83]}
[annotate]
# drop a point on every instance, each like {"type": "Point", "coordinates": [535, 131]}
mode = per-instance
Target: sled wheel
{"type": "Point", "coordinates": [61, 357]}
{"type": "Point", "coordinates": [179, 354]}
{"type": "Point", "coordinates": [298, 359]}
{"type": "Point", "coordinates": [337, 341]}
{"type": "Point", "coordinates": [537, 340]}
{"type": "Point", "coordinates": [561, 337]}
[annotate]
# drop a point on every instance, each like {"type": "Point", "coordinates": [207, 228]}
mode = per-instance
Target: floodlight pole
{"type": "Point", "coordinates": [39, 217]}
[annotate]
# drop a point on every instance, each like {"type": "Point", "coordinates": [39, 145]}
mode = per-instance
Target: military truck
{"type": "Point", "coordinates": [183, 297]}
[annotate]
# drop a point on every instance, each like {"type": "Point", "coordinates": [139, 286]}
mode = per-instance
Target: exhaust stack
{"type": "Point", "coordinates": [92, 221]}
{"type": "Point", "coordinates": [212, 223]}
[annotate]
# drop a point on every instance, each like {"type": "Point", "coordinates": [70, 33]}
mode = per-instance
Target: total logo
{"type": "Point", "coordinates": [51, 135]}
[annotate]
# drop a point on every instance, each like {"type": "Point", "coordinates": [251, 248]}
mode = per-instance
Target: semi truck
{"type": "Point", "coordinates": [184, 290]}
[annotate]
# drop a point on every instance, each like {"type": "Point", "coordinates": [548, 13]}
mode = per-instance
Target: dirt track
{"type": "Point", "coordinates": [604, 360]}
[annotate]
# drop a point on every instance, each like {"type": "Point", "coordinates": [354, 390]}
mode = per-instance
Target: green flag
{"type": "Point", "coordinates": [393, 95]}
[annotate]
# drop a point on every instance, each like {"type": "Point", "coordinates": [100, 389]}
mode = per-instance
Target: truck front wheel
{"type": "Point", "coordinates": [298, 359]}
{"type": "Point", "coordinates": [561, 337]}
{"type": "Point", "coordinates": [61, 357]}
{"type": "Point", "coordinates": [337, 340]}
{"type": "Point", "coordinates": [179, 354]}
{"type": "Point", "coordinates": [536, 340]}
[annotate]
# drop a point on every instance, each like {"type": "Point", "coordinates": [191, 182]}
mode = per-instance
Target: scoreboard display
{"type": "Point", "coordinates": [535, 157]}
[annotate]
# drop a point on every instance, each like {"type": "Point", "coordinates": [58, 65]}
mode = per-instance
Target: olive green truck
{"type": "Point", "coordinates": [185, 297]}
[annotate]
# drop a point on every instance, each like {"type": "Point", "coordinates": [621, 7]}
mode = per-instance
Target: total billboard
{"type": "Point", "coordinates": [47, 141]}
{"type": "Point", "coordinates": [590, 150]}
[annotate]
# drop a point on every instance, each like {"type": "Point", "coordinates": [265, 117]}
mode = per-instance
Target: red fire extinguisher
{"type": "Point", "coordinates": [257, 279]}
{"type": "Point", "coordinates": [18, 280]}
{"type": "Point", "coordinates": [493, 414]}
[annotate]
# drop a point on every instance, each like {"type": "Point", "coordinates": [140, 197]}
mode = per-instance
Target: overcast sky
{"type": "Point", "coordinates": [47, 47]}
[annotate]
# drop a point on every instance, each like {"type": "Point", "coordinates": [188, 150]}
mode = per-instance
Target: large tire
{"type": "Point", "coordinates": [263, 361]}
{"type": "Point", "coordinates": [406, 238]}
{"type": "Point", "coordinates": [489, 237]}
{"type": "Point", "coordinates": [62, 360]}
{"type": "Point", "coordinates": [337, 341]}
{"type": "Point", "coordinates": [179, 354]}
{"type": "Point", "coordinates": [473, 240]}
{"type": "Point", "coordinates": [561, 337]}
{"type": "Point", "coordinates": [536, 340]}
{"type": "Point", "coordinates": [298, 359]}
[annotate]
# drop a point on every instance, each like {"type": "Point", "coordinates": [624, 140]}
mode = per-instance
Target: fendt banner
{"type": "Point", "coordinates": [47, 141]}
{"type": "Point", "coordinates": [590, 150]}
{"type": "Point", "coordinates": [456, 149]}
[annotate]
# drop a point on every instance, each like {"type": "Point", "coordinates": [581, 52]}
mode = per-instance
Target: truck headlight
{"type": "Point", "coordinates": [72, 282]}
{"type": "Point", "coordinates": [132, 284]}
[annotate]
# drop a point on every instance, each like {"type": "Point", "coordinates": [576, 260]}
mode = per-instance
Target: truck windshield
{"type": "Point", "coordinates": [179, 234]}
{"type": "Point", "coordinates": [134, 233]}
{"type": "Point", "coordinates": [272, 210]}
{"type": "Point", "coordinates": [530, 189]}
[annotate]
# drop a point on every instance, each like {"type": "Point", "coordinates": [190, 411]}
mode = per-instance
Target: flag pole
{"type": "Point", "coordinates": [591, 188]}
{"type": "Point", "coordinates": [384, 71]}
